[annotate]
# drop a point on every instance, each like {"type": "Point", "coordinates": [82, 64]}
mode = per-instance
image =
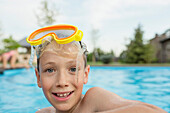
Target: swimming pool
{"type": "Point", "coordinates": [20, 94]}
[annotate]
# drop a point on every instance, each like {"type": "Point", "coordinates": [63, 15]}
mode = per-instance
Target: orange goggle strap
{"type": "Point", "coordinates": [77, 35]}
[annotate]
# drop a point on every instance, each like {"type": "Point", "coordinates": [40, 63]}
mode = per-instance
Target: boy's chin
{"type": "Point", "coordinates": [63, 107]}
{"type": "Point", "coordinates": [66, 106]}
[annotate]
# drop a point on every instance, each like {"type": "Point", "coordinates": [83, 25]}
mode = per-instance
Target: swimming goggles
{"type": "Point", "coordinates": [36, 38]}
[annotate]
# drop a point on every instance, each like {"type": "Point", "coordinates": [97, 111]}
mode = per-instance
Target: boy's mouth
{"type": "Point", "coordinates": [63, 94]}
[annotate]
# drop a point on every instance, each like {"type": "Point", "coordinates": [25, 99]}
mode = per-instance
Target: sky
{"type": "Point", "coordinates": [115, 20]}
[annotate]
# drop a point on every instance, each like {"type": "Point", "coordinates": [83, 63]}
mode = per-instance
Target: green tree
{"type": "Point", "coordinates": [10, 44]}
{"type": "Point", "coordinates": [122, 57]}
{"type": "Point", "coordinates": [91, 56]}
{"type": "Point", "coordinates": [46, 15]}
{"type": "Point", "coordinates": [1, 34]}
{"type": "Point", "coordinates": [148, 53]}
{"type": "Point", "coordinates": [105, 57]}
{"type": "Point", "coordinates": [100, 52]}
{"type": "Point", "coordinates": [137, 51]}
{"type": "Point", "coordinates": [112, 53]}
{"type": "Point", "coordinates": [7, 44]}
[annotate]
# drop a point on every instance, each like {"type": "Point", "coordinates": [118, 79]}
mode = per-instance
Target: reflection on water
{"type": "Point", "coordinates": [19, 92]}
{"type": "Point", "coordinates": [146, 84]}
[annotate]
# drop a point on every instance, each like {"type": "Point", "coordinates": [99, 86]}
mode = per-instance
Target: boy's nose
{"type": "Point", "coordinates": [62, 80]}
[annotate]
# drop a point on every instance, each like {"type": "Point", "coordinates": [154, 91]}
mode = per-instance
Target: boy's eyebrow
{"type": "Point", "coordinates": [53, 62]}
{"type": "Point", "coordinates": [71, 61]}
{"type": "Point", "coordinates": [48, 63]}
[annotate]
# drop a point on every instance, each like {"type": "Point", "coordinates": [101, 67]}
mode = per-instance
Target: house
{"type": "Point", "coordinates": [161, 45]}
{"type": "Point", "coordinates": [24, 44]}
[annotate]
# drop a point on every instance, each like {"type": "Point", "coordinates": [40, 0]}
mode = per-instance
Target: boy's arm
{"type": "Point", "coordinates": [134, 109]}
{"type": "Point", "coordinates": [104, 101]}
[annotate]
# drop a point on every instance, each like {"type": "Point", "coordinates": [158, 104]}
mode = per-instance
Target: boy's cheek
{"type": "Point", "coordinates": [45, 83]}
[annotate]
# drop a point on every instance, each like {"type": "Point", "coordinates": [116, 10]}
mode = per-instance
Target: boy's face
{"type": "Point", "coordinates": [58, 79]}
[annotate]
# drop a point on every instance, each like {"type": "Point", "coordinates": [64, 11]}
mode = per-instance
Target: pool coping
{"type": "Point", "coordinates": [109, 65]}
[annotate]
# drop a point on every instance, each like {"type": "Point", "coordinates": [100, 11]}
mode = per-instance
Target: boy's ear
{"type": "Point", "coordinates": [38, 78]}
{"type": "Point", "coordinates": [86, 74]}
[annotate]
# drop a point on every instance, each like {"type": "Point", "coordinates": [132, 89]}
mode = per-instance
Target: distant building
{"type": "Point", "coordinates": [24, 44]}
{"type": "Point", "coordinates": [161, 45]}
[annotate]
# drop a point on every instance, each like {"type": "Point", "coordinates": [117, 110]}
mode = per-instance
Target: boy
{"type": "Point", "coordinates": [62, 70]}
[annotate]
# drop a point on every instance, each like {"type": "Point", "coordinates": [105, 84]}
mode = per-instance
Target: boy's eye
{"type": "Point", "coordinates": [50, 70]}
{"type": "Point", "coordinates": [73, 69]}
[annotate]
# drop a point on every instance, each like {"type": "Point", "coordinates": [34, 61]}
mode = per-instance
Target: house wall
{"type": "Point", "coordinates": [155, 42]}
{"type": "Point", "coordinates": [165, 51]}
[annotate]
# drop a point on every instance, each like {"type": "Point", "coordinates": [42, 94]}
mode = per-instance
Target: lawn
{"type": "Point", "coordinates": [123, 64]}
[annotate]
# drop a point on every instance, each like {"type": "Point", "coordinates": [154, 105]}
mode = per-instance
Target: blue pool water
{"type": "Point", "coordinates": [19, 92]}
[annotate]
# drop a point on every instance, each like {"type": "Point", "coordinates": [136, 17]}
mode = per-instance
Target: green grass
{"type": "Point", "coordinates": [123, 64]}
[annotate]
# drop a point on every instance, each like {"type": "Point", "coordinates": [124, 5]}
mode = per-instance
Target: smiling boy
{"type": "Point", "coordinates": [62, 71]}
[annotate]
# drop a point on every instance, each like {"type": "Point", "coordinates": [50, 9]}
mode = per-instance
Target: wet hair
{"type": "Point", "coordinates": [84, 57]}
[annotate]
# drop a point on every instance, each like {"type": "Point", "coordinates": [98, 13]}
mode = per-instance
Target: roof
{"type": "Point", "coordinates": [166, 33]}
{"type": "Point", "coordinates": [168, 30]}
{"type": "Point", "coordinates": [24, 43]}
{"type": "Point", "coordinates": [165, 40]}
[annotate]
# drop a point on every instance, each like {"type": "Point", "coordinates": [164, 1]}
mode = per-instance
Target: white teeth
{"type": "Point", "coordinates": [63, 95]}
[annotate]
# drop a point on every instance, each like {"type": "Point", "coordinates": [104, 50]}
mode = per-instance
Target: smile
{"type": "Point", "coordinates": [62, 96]}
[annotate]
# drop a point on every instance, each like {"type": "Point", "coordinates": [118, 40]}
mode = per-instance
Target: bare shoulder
{"type": "Point", "coordinates": [100, 99]}
{"type": "Point", "coordinates": [97, 93]}
{"type": "Point", "coordinates": [103, 100]}
{"type": "Point", "coordinates": [46, 110]}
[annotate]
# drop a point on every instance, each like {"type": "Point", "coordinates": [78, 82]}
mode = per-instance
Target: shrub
{"type": "Point", "coordinates": [106, 59]}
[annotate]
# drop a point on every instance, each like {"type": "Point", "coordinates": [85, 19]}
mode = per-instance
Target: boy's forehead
{"type": "Point", "coordinates": [50, 57]}
{"type": "Point", "coordinates": [70, 50]}
{"type": "Point", "coordinates": [58, 54]}
{"type": "Point", "coordinates": [70, 47]}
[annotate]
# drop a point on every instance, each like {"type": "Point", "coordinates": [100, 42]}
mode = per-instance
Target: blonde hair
{"type": "Point", "coordinates": [57, 48]}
